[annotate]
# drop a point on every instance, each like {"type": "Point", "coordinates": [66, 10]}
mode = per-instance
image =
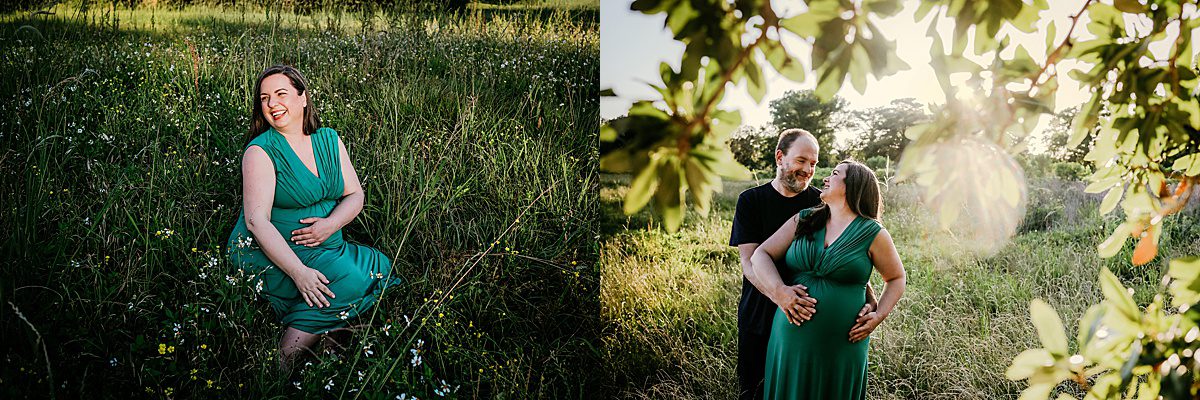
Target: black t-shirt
{"type": "Point", "coordinates": [761, 210]}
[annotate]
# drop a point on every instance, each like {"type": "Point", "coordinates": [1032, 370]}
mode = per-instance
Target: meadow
{"type": "Point", "coordinates": [669, 301]}
{"type": "Point", "coordinates": [474, 135]}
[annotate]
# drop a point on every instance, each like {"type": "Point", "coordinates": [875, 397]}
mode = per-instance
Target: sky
{"type": "Point", "coordinates": [632, 45]}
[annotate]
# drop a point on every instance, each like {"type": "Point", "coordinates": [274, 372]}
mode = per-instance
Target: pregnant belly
{"type": "Point", "coordinates": [837, 306]}
{"type": "Point", "coordinates": [287, 220]}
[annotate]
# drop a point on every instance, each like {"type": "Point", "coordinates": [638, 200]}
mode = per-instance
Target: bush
{"type": "Point", "coordinates": [1070, 171]}
{"type": "Point", "coordinates": [877, 163]}
{"type": "Point", "coordinates": [1036, 165]}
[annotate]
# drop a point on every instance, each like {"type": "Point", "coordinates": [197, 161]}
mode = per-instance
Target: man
{"type": "Point", "coordinates": [760, 212]}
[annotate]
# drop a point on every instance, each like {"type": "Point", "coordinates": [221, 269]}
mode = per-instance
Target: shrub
{"type": "Point", "coordinates": [1070, 171]}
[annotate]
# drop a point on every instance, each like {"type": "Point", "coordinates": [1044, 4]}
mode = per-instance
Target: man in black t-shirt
{"type": "Point", "coordinates": [760, 212]}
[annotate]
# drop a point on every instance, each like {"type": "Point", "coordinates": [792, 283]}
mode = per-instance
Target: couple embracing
{"type": "Point", "coordinates": [807, 308]}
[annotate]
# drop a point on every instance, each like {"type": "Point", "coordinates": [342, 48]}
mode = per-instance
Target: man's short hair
{"type": "Point", "coordinates": [789, 136]}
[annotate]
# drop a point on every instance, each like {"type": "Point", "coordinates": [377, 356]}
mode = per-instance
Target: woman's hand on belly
{"type": "Point", "coordinates": [315, 234]}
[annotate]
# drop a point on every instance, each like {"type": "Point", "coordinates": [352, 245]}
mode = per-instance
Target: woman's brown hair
{"type": "Point", "coordinates": [258, 121]}
{"type": "Point", "coordinates": [862, 196]}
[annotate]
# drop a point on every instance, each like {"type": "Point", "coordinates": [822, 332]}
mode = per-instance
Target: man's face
{"type": "Point", "coordinates": [795, 167]}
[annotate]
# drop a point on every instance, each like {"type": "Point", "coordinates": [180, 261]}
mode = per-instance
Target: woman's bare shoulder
{"type": "Point", "coordinates": [256, 158]}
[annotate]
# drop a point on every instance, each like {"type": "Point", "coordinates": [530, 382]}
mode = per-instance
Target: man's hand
{"type": "Point", "coordinates": [795, 303]}
{"type": "Point", "coordinates": [863, 316]}
{"type": "Point", "coordinates": [864, 326]}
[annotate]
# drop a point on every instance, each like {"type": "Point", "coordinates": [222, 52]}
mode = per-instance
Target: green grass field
{"type": "Point", "coordinates": [474, 136]}
{"type": "Point", "coordinates": [669, 301]}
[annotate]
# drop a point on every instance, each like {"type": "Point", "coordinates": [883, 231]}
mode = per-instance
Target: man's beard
{"type": "Point", "coordinates": [793, 182]}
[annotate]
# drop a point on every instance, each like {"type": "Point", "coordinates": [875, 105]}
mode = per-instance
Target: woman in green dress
{"type": "Point", "coordinates": [830, 250]}
{"type": "Point", "coordinates": [299, 190]}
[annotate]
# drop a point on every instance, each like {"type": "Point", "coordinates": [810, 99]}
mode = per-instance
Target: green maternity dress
{"type": "Point", "coordinates": [816, 359]}
{"type": "Point", "coordinates": [357, 274]}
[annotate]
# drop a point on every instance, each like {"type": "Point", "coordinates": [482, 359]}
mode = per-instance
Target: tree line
{"type": "Point", "coordinates": [877, 134]}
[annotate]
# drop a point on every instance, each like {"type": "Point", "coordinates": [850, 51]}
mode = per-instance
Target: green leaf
{"type": "Point", "coordinates": [1039, 391]}
{"type": "Point", "coordinates": [858, 70]}
{"type": "Point", "coordinates": [1130, 6]}
{"type": "Point", "coordinates": [1084, 121]}
{"type": "Point", "coordinates": [1027, 363]}
{"type": "Point", "coordinates": [882, 8]}
{"type": "Point", "coordinates": [1135, 352]}
{"type": "Point", "coordinates": [607, 93]}
{"type": "Point", "coordinates": [699, 183]}
{"type": "Point", "coordinates": [1088, 325]}
{"type": "Point", "coordinates": [1117, 296]}
{"type": "Point", "coordinates": [725, 123]}
{"type": "Point", "coordinates": [1111, 199]}
{"type": "Point", "coordinates": [647, 6]}
{"type": "Point", "coordinates": [923, 10]}
{"type": "Point", "coordinates": [809, 24]}
{"type": "Point", "coordinates": [1190, 107]}
{"type": "Point", "coordinates": [1049, 327]}
{"type": "Point", "coordinates": [1026, 19]}
{"type": "Point", "coordinates": [720, 161]}
{"type": "Point", "coordinates": [690, 67]}
{"type": "Point", "coordinates": [1185, 284]}
{"type": "Point", "coordinates": [755, 85]}
{"type": "Point", "coordinates": [1050, 33]}
{"type": "Point", "coordinates": [668, 199]}
{"type": "Point", "coordinates": [642, 187]}
{"type": "Point", "coordinates": [607, 133]}
{"type": "Point", "coordinates": [1100, 186]}
{"type": "Point", "coordinates": [1189, 164]}
{"type": "Point", "coordinates": [1109, 247]}
{"type": "Point", "coordinates": [784, 63]}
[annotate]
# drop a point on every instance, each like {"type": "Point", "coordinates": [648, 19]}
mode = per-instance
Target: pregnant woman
{"type": "Point", "coordinates": [830, 249]}
{"type": "Point", "coordinates": [299, 190]}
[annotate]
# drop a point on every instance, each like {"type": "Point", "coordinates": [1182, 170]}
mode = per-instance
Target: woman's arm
{"type": "Point", "coordinates": [891, 269]}
{"type": "Point", "coordinates": [794, 299]}
{"type": "Point", "coordinates": [258, 189]}
{"type": "Point", "coordinates": [346, 210]}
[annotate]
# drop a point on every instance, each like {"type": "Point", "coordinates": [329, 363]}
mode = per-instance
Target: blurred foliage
{"type": "Point", "coordinates": [1142, 120]}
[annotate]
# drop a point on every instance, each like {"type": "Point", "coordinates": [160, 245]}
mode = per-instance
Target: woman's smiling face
{"type": "Point", "coordinates": [281, 106]}
{"type": "Point", "coordinates": [835, 185]}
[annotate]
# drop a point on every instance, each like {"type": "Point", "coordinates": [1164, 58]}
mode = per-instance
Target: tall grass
{"type": "Point", "coordinates": [669, 301]}
{"type": "Point", "coordinates": [120, 141]}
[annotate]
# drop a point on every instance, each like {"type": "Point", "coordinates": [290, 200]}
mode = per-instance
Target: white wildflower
{"type": "Point", "coordinates": [416, 360]}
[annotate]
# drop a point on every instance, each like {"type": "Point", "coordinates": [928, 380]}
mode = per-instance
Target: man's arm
{"type": "Point", "coordinates": [746, 251]}
{"type": "Point", "coordinates": [871, 300]}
